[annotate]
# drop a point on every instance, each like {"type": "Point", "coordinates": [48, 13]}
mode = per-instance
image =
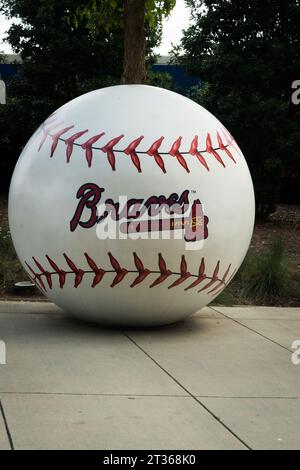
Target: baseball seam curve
{"type": "Point", "coordinates": [44, 276]}
{"type": "Point", "coordinates": [132, 149]}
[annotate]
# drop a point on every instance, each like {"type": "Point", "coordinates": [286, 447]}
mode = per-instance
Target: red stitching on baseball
{"type": "Point", "coordinates": [214, 281]}
{"type": "Point", "coordinates": [88, 147]}
{"type": "Point", "coordinates": [108, 149]}
{"type": "Point", "coordinates": [46, 131]}
{"type": "Point", "coordinates": [194, 151]}
{"type": "Point", "coordinates": [153, 152]}
{"type": "Point", "coordinates": [211, 150]}
{"type": "Point", "coordinates": [132, 148]}
{"type": "Point", "coordinates": [60, 272]}
{"type": "Point", "coordinates": [175, 153]}
{"type": "Point", "coordinates": [56, 137]}
{"type": "Point", "coordinates": [223, 147]}
{"type": "Point", "coordinates": [70, 143]}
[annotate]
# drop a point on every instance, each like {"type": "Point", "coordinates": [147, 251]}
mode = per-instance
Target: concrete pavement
{"type": "Point", "coordinates": [223, 379]}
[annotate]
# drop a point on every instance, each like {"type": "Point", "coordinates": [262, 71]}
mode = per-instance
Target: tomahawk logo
{"type": "Point", "coordinates": [2, 353]}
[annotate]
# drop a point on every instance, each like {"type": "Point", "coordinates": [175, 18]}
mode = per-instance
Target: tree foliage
{"type": "Point", "coordinates": [60, 62]}
{"type": "Point", "coordinates": [141, 20]}
{"type": "Point", "coordinates": [248, 54]}
{"type": "Point", "coordinates": [57, 58]}
{"type": "Point", "coordinates": [110, 13]}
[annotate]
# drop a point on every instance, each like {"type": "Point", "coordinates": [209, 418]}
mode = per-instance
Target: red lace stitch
{"type": "Point", "coordinates": [153, 152]}
{"type": "Point", "coordinates": [143, 273]}
{"type": "Point", "coordinates": [108, 149]}
{"type": "Point", "coordinates": [222, 280]}
{"type": "Point", "coordinates": [222, 147]}
{"type": "Point", "coordinates": [45, 132]}
{"type": "Point", "coordinates": [60, 272]}
{"type": "Point", "coordinates": [220, 286]}
{"type": "Point", "coordinates": [184, 274]}
{"type": "Point", "coordinates": [36, 278]}
{"type": "Point", "coordinates": [78, 272]}
{"type": "Point", "coordinates": [213, 279]}
{"type": "Point", "coordinates": [132, 149]}
{"type": "Point", "coordinates": [201, 276]}
{"type": "Point", "coordinates": [70, 143]}
{"type": "Point", "coordinates": [175, 153]}
{"type": "Point", "coordinates": [99, 272]}
{"type": "Point", "coordinates": [56, 137]}
{"type": "Point", "coordinates": [210, 149]}
{"type": "Point", "coordinates": [230, 140]}
{"type": "Point", "coordinates": [165, 273]}
{"type": "Point", "coordinates": [120, 273]}
{"type": "Point", "coordinates": [88, 147]}
{"type": "Point", "coordinates": [194, 151]}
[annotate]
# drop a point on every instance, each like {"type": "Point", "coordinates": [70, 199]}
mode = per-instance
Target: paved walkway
{"type": "Point", "coordinates": [223, 379]}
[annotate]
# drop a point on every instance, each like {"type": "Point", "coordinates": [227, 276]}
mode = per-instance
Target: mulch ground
{"type": "Point", "coordinates": [285, 224]}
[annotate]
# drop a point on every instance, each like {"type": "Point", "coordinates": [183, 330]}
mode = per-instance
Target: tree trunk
{"type": "Point", "coordinates": [134, 69]}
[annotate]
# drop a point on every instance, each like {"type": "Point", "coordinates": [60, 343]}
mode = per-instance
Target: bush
{"type": "Point", "coordinates": [264, 276]}
{"type": "Point", "coordinates": [160, 79]}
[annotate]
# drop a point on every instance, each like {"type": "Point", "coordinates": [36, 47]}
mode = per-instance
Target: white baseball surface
{"type": "Point", "coordinates": [147, 144]}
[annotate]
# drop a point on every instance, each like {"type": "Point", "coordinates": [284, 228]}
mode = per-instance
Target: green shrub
{"type": "Point", "coordinates": [226, 298]}
{"type": "Point", "coordinates": [160, 79]}
{"type": "Point", "coordinates": [264, 275]}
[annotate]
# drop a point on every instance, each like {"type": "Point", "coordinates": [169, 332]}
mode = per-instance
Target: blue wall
{"type": "Point", "coordinates": [181, 79]}
{"type": "Point", "coordinates": [8, 70]}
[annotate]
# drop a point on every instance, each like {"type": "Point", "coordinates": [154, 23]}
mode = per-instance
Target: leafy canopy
{"type": "Point", "coordinates": [248, 54]}
{"type": "Point", "coordinates": [110, 13]}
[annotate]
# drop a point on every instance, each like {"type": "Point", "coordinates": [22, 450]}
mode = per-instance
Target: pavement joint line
{"type": "Point", "coordinates": [268, 319]}
{"type": "Point", "coordinates": [250, 319]}
{"type": "Point", "coordinates": [146, 395]}
{"type": "Point", "coordinates": [9, 437]}
{"type": "Point", "coordinates": [247, 398]}
{"type": "Point", "coordinates": [125, 395]}
{"type": "Point", "coordinates": [194, 397]}
{"type": "Point", "coordinates": [255, 331]}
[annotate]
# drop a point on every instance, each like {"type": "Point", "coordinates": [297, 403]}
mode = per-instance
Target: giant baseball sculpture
{"type": "Point", "coordinates": [131, 205]}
